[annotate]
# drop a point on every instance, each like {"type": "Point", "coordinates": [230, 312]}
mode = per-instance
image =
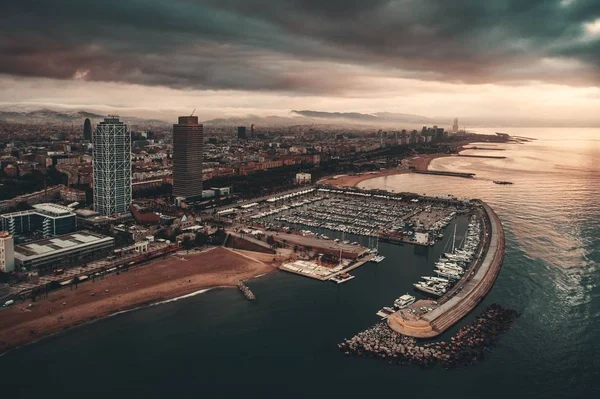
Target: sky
{"type": "Point", "coordinates": [536, 59]}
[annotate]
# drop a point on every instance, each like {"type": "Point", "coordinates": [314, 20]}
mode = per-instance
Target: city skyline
{"type": "Point", "coordinates": [232, 58]}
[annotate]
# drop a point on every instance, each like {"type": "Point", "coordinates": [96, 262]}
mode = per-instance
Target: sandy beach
{"type": "Point", "coordinates": [419, 162]}
{"type": "Point", "coordinates": [165, 279]}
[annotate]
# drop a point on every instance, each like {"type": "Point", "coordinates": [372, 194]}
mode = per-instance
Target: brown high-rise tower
{"type": "Point", "coordinates": [188, 144]}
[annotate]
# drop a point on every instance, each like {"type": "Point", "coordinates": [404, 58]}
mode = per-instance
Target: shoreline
{"type": "Point", "coordinates": [166, 280]}
{"type": "Point", "coordinates": [420, 162]}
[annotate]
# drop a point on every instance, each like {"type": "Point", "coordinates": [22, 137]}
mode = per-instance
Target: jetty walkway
{"type": "Point", "coordinates": [444, 173]}
{"type": "Point", "coordinates": [466, 294]}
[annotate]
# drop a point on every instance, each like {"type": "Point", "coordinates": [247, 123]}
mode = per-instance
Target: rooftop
{"type": "Point", "coordinates": [55, 209]}
{"type": "Point", "coordinates": [62, 243]}
{"type": "Point", "coordinates": [86, 213]}
{"type": "Point", "coordinates": [48, 209]}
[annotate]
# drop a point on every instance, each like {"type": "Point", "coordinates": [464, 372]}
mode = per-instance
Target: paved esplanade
{"type": "Point", "coordinates": [463, 301]}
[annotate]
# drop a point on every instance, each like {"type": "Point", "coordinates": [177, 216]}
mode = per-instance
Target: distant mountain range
{"type": "Point", "coordinates": [376, 120]}
{"type": "Point", "coordinates": [321, 119]}
{"type": "Point", "coordinates": [305, 117]}
{"type": "Point", "coordinates": [45, 115]}
{"type": "Point", "coordinates": [378, 117]}
{"type": "Point", "coordinates": [76, 117]}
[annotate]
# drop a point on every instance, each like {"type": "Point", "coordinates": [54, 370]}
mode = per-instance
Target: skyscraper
{"type": "Point", "coordinates": [7, 253]}
{"type": "Point", "coordinates": [241, 133]}
{"type": "Point", "coordinates": [87, 130]}
{"type": "Point", "coordinates": [455, 126]}
{"type": "Point", "coordinates": [112, 166]}
{"type": "Point", "coordinates": [252, 131]}
{"type": "Point", "coordinates": [188, 144]}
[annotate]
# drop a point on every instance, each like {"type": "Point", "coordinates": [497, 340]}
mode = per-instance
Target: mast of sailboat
{"type": "Point", "coordinates": [462, 242]}
{"type": "Point", "coordinates": [453, 238]}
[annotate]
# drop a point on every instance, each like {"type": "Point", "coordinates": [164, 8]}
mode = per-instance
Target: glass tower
{"type": "Point", "coordinates": [112, 167]}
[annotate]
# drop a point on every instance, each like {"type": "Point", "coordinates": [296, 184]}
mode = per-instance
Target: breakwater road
{"type": "Point", "coordinates": [461, 300]}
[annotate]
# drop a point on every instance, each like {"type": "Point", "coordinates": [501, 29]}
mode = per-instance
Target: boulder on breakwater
{"type": "Point", "coordinates": [466, 347]}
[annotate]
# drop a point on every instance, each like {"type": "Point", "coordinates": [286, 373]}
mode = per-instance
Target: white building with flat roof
{"type": "Point", "coordinates": [7, 255]}
{"type": "Point", "coordinates": [68, 250]}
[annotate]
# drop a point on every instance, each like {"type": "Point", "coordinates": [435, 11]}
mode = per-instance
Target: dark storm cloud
{"type": "Point", "coordinates": [284, 45]}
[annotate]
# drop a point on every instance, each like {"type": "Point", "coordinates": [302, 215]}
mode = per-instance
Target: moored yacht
{"type": "Point", "coordinates": [430, 289]}
{"type": "Point", "coordinates": [436, 279]}
{"type": "Point", "coordinates": [449, 274]}
{"type": "Point", "coordinates": [377, 258]}
{"type": "Point", "coordinates": [404, 301]}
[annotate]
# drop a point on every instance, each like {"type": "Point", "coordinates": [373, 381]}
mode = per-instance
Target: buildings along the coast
{"type": "Point", "coordinates": [7, 257]}
{"type": "Point", "coordinates": [63, 251]}
{"type": "Point", "coordinates": [47, 219]}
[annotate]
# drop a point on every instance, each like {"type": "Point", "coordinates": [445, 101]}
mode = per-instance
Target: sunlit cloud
{"type": "Point", "coordinates": [430, 57]}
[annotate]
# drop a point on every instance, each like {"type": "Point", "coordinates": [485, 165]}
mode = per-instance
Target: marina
{"type": "Point", "coordinates": [333, 231]}
{"type": "Point", "coordinates": [471, 288]}
{"type": "Point", "coordinates": [338, 214]}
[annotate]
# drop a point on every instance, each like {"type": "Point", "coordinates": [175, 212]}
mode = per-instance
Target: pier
{"type": "Point", "coordinates": [246, 291]}
{"type": "Point", "coordinates": [313, 270]}
{"type": "Point", "coordinates": [465, 295]}
{"type": "Point", "coordinates": [484, 149]}
{"type": "Point", "coordinates": [442, 173]}
{"type": "Point", "coordinates": [481, 156]}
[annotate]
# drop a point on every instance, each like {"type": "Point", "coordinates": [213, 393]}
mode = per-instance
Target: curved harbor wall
{"type": "Point", "coordinates": [457, 304]}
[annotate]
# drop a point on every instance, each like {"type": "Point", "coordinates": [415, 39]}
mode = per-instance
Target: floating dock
{"type": "Point", "coordinates": [465, 295]}
{"type": "Point", "coordinates": [340, 279]}
{"type": "Point", "coordinates": [385, 312]}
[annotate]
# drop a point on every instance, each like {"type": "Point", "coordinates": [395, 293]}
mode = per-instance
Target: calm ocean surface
{"type": "Point", "coordinates": [284, 345]}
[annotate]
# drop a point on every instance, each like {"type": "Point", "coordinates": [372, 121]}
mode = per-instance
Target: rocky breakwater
{"type": "Point", "coordinates": [246, 291]}
{"type": "Point", "coordinates": [463, 349]}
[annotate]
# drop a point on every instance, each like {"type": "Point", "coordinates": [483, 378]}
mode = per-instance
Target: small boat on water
{"type": "Point", "coordinates": [378, 258]}
{"type": "Point", "coordinates": [504, 183]}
